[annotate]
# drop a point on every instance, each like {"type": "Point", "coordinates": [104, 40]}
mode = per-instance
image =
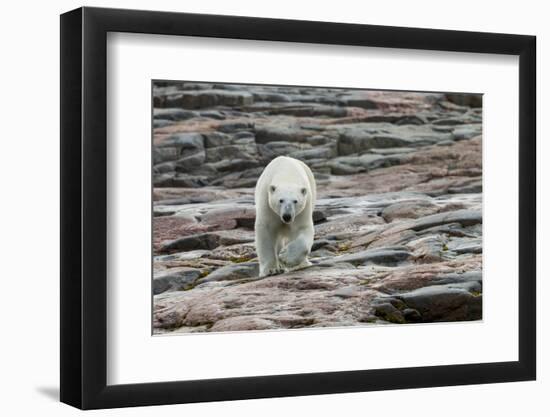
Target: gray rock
{"type": "Point", "coordinates": [212, 114]}
{"type": "Point", "coordinates": [273, 149]}
{"type": "Point", "coordinates": [220, 153]}
{"type": "Point", "coordinates": [318, 216]}
{"type": "Point", "coordinates": [470, 187]}
{"type": "Point", "coordinates": [173, 114]}
{"type": "Point", "coordinates": [341, 168]}
{"type": "Point", "coordinates": [247, 177]}
{"type": "Point", "coordinates": [391, 151]}
{"type": "Point", "coordinates": [348, 165]}
{"type": "Point", "coordinates": [428, 248]}
{"type": "Point", "coordinates": [233, 165]}
{"type": "Point", "coordinates": [194, 242]}
{"type": "Point", "coordinates": [465, 245]}
{"type": "Point", "coordinates": [347, 292]}
{"type": "Point", "coordinates": [455, 278]}
{"type": "Point", "coordinates": [161, 123]}
{"type": "Point", "coordinates": [464, 217]}
{"type": "Point", "coordinates": [185, 144]}
{"type": "Point", "coordinates": [271, 97]}
{"type": "Point", "coordinates": [388, 312]}
{"type": "Point", "coordinates": [163, 213]}
{"type": "Point", "coordinates": [379, 255]}
{"type": "Point", "coordinates": [244, 134]}
{"type": "Point", "coordinates": [164, 167]}
{"type": "Point", "coordinates": [473, 287]}
{"type": "Point", "coordinates": [315, 153]}
{"type": "Point", "coordinates": [358, 141]}
{"type": "Point", "coordinates": [178, 280]}
{"type": "Point", "coordinates": [191, 162]}
{"type": "Point", "coordinates": [239, 216]}
{"type": "Point", "coordinates": [416, 119]}
{"type": "Point", "coordinates": [398, 119]}
{"type": "Point", "coordinates": [232, 127]}
{"type": "Point", "coordinates": [241, 323]}
{"type": "Point", "coordinates": [443, 303]}
{"type": "Point", "coordinates": [311, 110]}
{"type": "Point", "coordinates": [358, 100]}
{"type": "Point", "coordinates": [466, 132]}
{"type": "Point", "coordinates": [237, 271]}
{"type": "Point", "coordinates": [230, 87]}
{"type": "Point", "coordinates": [208, 98]}
{"type": "Point", "coordinates": [443, 128]}
{"type": "Point", "coordinates": [165, 154]}
{"type": "Point", "coordinates": [411, 209]}
{"type": "Point", "coordinates": [365, 136]}
{"type": "Point", "coordinates": [449, 121]}
{"type": "Point", "coordinates": [228, 238]}
{"type": "Point", "coordinates": [319, 243]}
{"type": "Point", "coordinates": [319, 140]}
{"type": "Point", "coordinates": [281, 133]}
{"type": "Point", "coordinates": [411, 315]}
{"type": "Point", "coordinates": [314, 127]}
{"type": "Point", "coordinates": [213, 139]}
{"type": "Point", "coordinates": [472, 100]}
{"type": "Point", "coordinates": [196, 86]}
{"type": "Point", "coordinates": [186, 181]}
{"type": "Point", "coordinates": [163, 180]}
{"type": "Point", "coordinates": [321, 253]}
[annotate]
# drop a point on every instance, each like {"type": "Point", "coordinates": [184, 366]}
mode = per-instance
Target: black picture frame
{"type": "Point", "coordinates": [84, 207]}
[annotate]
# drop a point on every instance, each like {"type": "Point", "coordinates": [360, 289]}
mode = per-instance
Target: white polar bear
{"type": "Point", "coordinates": [285, 196]}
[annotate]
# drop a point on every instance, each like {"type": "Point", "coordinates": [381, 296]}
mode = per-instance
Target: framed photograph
{"type": "Point", "coordinates": [259, 208]}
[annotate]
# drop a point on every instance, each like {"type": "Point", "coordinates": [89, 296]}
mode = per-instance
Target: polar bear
{"type": "Point", "coordinates": [284, 197]}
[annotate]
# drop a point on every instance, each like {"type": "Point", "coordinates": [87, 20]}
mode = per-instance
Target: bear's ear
{"type": "Point", "coordinates": [272, 188]}
{"type": "Point", "coordinates": [304, 191]}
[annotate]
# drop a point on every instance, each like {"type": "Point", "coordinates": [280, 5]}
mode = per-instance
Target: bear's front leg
{"type": "Point", "coordinates": [294, 255]}
{"type": "Point", "coordinates": [266, 244]}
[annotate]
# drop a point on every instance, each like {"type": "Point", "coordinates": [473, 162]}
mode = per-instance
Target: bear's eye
{"type": "Point", "coordinates": [281, 201]}
{"type": "Point", "coordinates": [295, 201]}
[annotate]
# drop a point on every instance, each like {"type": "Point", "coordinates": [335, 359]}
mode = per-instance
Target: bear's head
{"type": "Point", "coordinates": [287, 201]}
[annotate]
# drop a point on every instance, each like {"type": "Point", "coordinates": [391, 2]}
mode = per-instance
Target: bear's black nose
{"type": "Point", "coordinates": [287, 217]}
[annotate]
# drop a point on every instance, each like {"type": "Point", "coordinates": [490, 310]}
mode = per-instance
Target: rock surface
{"type": "Point", "coordinates": [398, 220]}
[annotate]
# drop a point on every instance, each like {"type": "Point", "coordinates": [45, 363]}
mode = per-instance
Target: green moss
{"type": "Point", "coordinates": [203, 274]}
{"type": "Point", "coordinates": [394, 317]}
{"type": "Point", "coordinates": [239, 259]}
{"type": "Point", "coordinates": [344, 247]}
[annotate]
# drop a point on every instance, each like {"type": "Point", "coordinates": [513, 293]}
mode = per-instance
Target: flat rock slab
{"type": "Point", "coordinates": [233, 272]}
{"type": "Point", "coordinates": [380, 255]}
{"type": "Point", "coordinates": [175, 280]}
